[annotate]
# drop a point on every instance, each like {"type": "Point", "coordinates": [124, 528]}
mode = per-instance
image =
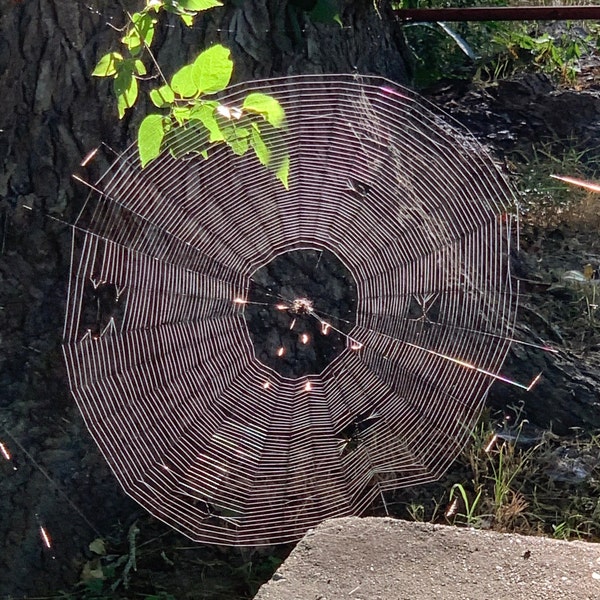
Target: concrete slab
{"type": "Point", "coordinates": [387, 559]}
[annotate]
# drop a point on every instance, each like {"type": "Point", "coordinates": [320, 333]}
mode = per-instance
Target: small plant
{"type": "Point", "coordinates": [470, 514]}
{"type": "Point", "coordinates": [193, 120]}
{"type": "Point", "coordinates": [416, 512]}
{"type": "Point", "coordinates": [577, 526]}
{"type": "Point", "coordinates": [105, 572]}
{"type": "Point", "coordinates": [563, 531]}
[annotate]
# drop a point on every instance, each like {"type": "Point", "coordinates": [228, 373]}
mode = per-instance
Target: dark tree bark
{"type": "Point", "coordinates": [52, 112]}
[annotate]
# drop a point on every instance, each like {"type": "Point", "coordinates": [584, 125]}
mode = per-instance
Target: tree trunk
{"type": "Point", "coordinates": [51, 114]}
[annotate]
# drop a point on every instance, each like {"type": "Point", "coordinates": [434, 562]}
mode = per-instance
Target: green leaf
{"type": "Point", "coordinates": [181, 113]}
{"type": "Point", "coordinates": [283, 171]}
{"type": "Point", "coordinates": [205, 113]}
{"type": "Point", "coordinates": [183, 82]}
{"type": "Point", "coordinates": [144, 24]}
{"type": "Point", "coordinates": [150, 137]}
{"type": "Point", "coordinates": [260, 148]}
{"type": "Point", "coordinates": [326, 11]}
{"type": "Point", "coordinates": [241, 132]}
{"type": "Point", "coordinates": [187, 19]}
{"type": "Point", "coordinates": [141, 32]}
{"type": "Point", "coordinates": [98, 547]}
{"type": "Point", "coordinates": [125, 88]}
{"type": "Point", "coordinates": [162, 97]}
{"type": "Point", "coordinates": [212, 69]}
{"type": "Point", "coordinates": [239, 145]}
{"type": "Point", "coordinates": [188, 9]}
{"type": "Point", "coordinates": [267, 106]}
{"type": "Point", "coordinates": [124, 77]}
{"type": "Point", "coordinates": [107, 65]}
{"type": "Point", "coordinates": [198, 5]}
{"type": "Point", "coordinates": [139, 67]}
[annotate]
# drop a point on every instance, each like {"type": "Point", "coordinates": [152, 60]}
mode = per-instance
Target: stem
{"type": "Point", "coordinates": [146, 46]}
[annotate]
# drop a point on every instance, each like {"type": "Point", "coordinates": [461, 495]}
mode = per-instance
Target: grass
{"type": "Point", "coordinates": [547, 202]}
{"type": "Point", "coordinates": [508, 482]}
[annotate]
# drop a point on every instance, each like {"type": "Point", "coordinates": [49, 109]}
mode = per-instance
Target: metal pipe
{"type": "Point", "coordinates": [503, 13]}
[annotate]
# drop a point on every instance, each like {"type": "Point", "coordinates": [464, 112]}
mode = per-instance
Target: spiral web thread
{"type": "Point", "coordinates": [159, 357]}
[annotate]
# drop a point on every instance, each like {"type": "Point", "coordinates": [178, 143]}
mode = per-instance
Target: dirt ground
{"type": "Point", "coordinates": [370, 559]}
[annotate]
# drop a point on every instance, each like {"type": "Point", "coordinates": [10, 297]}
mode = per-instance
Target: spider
{"type": "Point", "coordinates": [302, 306]}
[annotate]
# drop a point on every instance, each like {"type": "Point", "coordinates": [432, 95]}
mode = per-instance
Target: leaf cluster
{"type": "Point", "coordinates": [194, 122]}
{"type": "Point", "coordinates": [126, 67]}
{"type": "Point", "coordinates": [554, 54]}
{"type": "Point", "coordinates": [191, 121]}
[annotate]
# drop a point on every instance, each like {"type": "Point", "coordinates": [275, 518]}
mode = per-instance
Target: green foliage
{"type": "Point", "coordinates": [557, 55]}
{"type": "Point", "coordinates": [182, 83]}
{"type": "Point", "coordinates": [195, 122]}
{"type": "Point", "coordinates": [494, 49]}
{"type": "Point", "coordinates": [283, 171]}
{"type": "Point", "coordinates": [192, 121]}
{"type": "Point", "coordinates": [212, 70]}
{"type": "Point", "coordinates": [507, 480]}
{"type": "Point", "coordinates": [107, 66]}
{"type": "Point", "coordinates": [139, 35]}
{"type": "Point", "coordinates": [470, 514]}
{"type": "Point", "coordinates": [150, 137]}
{"type": "Point", "coordinates": [125, 86]}
{"type": "Point", "coordinates": [319, 11]}
{"type": "Point", "coordinates": [266, 106]}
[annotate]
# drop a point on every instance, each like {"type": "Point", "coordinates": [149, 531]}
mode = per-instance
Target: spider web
{"type": "Point", "coordinates": [160, 360]}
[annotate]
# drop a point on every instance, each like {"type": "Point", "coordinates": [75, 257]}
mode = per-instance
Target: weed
{"type": "Point", "coordinates": [557, 55]}
{"type": "Point", "coordinates": [431, 510]}
{"type": "Point", "coordinates": [416, 512]}
{"type": "Point", "coordinates": [573, 528]}
{"type": "Point", "coordinates": [509, 480]}
{"type": "Point", "coordinates": [470, 515]}
{"type": "Point", "coordinates": [498, 467]}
